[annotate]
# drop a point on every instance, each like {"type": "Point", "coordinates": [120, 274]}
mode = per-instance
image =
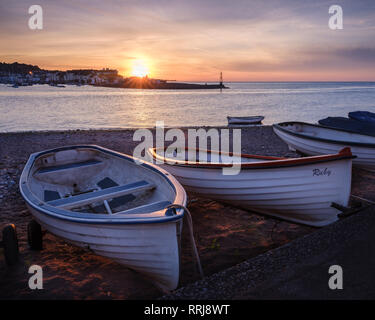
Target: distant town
{"type": "Point", "coordinates": [20, 74]}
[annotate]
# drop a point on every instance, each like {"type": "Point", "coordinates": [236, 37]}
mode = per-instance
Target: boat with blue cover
{"type": "Point", "coordinates": [313, 139]}
{"type": "Point", "coordinates": [364, 116]}
{"type": "Point", "coordinates": [350, 125]}
{"type": "Point", "coordinates": [106, 201]}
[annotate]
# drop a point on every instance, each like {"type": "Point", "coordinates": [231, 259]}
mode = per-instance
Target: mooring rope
{"type": "Point", "coordinates": [362, 199]}
{"type": "Point", "coordinates": [192, 240]}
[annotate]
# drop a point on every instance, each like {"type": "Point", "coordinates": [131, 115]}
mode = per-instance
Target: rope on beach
{"type": "Point", "coordinates": [191, 233]}
{"type": "Point", "coordinates": [362, 199]}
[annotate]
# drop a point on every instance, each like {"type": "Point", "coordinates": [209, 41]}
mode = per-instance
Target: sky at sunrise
{"type": "Point", "coordinates": [248, 40]}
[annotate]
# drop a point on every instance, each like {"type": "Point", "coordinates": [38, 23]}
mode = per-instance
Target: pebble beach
{"type": "Point", "coordinates": [225, 235]}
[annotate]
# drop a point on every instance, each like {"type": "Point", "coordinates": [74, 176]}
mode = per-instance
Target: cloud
{"type": "Point", "coordinates": [363, 55]}
{"type": "Point", "coordinates": [193, 39]}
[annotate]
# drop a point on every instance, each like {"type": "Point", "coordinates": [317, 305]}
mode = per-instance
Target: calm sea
{"type": "Point", "coordinates": [42, 107]}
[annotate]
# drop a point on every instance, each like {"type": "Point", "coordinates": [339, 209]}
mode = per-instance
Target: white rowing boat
{"type": "Point", "coordinates": [299, 189]}
{"type": "Point", "coordinates": [312, 139]}
{"type": "Point", "coordinates": [102, 200]}
{"type": "Point", "coordinates": [245, 120]}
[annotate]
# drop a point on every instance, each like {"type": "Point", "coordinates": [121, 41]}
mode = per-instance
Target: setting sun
{"type": "Point", "coordinates": [139, 69]}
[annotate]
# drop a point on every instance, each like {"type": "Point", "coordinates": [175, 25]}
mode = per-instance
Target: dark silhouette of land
{"type": "Point", "coordinates": [149, 83]}
{"type": "Point", "coordinates": [20, 74]}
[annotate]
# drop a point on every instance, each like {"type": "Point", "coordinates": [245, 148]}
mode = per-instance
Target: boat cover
{"type": "Point", "coordinates": [349, 125]}
{"type": "Point", "coordinates": [365, 116]}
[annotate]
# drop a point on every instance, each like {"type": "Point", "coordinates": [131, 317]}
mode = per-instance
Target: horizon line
{"type": "Point", "coordinates": [191, 80]}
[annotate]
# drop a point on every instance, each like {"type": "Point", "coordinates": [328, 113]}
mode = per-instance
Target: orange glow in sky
{"type": "Point", "coordinates": [194, 40]}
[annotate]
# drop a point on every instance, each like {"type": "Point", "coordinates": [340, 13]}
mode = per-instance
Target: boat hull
{"type": "Point", "coordinates": [132, 245]}
{"type": "Point", "coordinates": [301, 194]}
{"type": "Point", "coordinates": [365, 155]}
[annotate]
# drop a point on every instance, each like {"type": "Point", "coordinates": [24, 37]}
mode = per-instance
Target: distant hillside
{"type": "Point", "coordinates": [22, 68]}
{"type": "Point", "coordinates": [16, 67]}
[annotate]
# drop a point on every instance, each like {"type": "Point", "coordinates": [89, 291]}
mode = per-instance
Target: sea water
{"type": "Point", "coordinates": [43, 107]}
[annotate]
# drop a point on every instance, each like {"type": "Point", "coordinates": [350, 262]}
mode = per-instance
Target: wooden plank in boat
{"type": "Point", "coordinates": [154, 206]}
{"type": "Point", "coordinates": [68, 166]}
{"type": "Point", "coordinates": [101, 195]}
{"type": "Point", "coordinates": [115, 202]}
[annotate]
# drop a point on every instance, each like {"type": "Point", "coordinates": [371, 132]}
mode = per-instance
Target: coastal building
{"type": "Point", "coordinates": [23, 74]}
{"type": "Point", "coordinates": [52, 77]}
{"type": "Point", "coordinates": [107, 72]}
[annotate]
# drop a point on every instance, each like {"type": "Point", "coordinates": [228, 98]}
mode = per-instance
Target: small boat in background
{"type": "Point", "coordinates": [103, 200]}
{"type": "Point", "coordinates": [295, 189]}
{"type": "Point", "coordinates": [245, 120]}
{"type": "Point", "coordinates": [364, 116]}
{"type": "Point", "coordinates": [314, 139]}
{"type": "Point", "coordinates": [53, 84]}
{"type": "Point", "coordinates": [350, 125]}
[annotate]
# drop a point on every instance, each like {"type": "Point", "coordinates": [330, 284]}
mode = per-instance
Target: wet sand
{"type": "Point", "coordinates": [225, 235]}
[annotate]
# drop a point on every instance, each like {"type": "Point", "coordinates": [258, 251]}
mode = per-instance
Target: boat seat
{"type": "Point", "coordinates": [147, 208]}
{"type": "Point", "coordinates": [114, 203]}
{"type": "Point", "coordinates": [50, 195]}
{"type": "Point", "coordinates": [101, 195]}
{"type": "Point", "coordinates": [119, 201]}
{"type": "Point", "coordinates": [68, 166]}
